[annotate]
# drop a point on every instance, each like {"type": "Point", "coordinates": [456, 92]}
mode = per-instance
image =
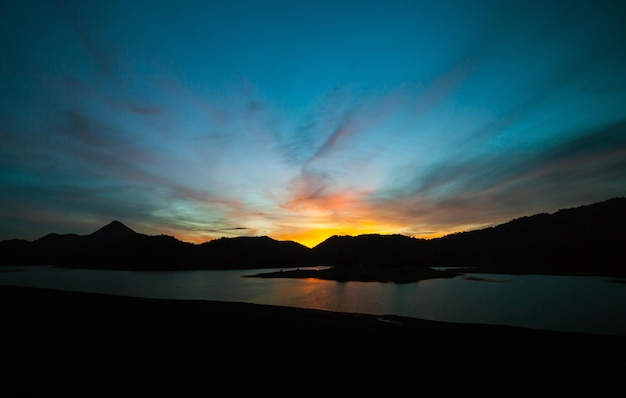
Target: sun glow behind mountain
{"type": "Point", "coordinates": [300, 120]}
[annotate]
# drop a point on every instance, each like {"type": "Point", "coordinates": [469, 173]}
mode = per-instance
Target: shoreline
{"type": "Point", "coordinates": [115, 341]}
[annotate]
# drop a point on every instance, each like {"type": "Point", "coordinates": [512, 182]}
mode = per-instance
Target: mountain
{"type": "Point", "coordinates": [58, 249]}
{"type": "Point", "coordinates": [370, 250]}
{"type": "Point", "coordinates": [254, 252]}
{"type": "Point", "coordinates": [584, 240]}
{"type": "Point", "coordinates": [115, 230]}
{"type": "Point", "coordinates": [139, 252]}
{"type": "Point", "coordinates": [588, 239]}
{"type": "Point", "coordinates": [62, 249]}
{"type": "Point", "coordinates": [116, 246]}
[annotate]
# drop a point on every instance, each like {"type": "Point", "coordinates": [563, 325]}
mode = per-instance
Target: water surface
{"type": "Point", "coordinates": [566, 303]}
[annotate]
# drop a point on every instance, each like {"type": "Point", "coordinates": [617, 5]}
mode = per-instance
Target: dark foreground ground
{"type": "Point", "coordinates": [90, 344]}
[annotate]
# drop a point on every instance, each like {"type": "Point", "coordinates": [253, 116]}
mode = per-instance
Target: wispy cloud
{"type": "Point", "coordinates": [467, 192]}
{"type": "Point", "coordinates": [227, 229]}
{"type": "Point", "coordinates": [416, 119]}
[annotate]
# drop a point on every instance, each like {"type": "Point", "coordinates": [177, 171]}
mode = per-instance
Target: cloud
{"type": "Point", "coordinates": [87, 147]}
{"type": "Point", "coordinates": [87, 130]}
{"type": "Point", "coordinates": [442, 87]}
{"type": "Point", "coordinates": [446, 118]}
{"type": "Point", "coordinates": [235, 229]}
{"type": "Point", "coordinates": [343, 132]}
{"type": "Point", "coordinates": [468, 191]}
{"type": "Point", "coordinates": [129, 106]}
{"type": "Point", "coordinates": [92, 37]}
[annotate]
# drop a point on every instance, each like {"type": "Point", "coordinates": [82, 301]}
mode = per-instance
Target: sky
{"type": "Point", "coordinates": [306, 119]}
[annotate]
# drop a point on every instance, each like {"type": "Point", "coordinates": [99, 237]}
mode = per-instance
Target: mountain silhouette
{"type": "Point", "coordinates": [115, 230]}
{"type": "Point", "coordinates": [116, 246]}
{"type": "Point", "coordinates": [370, 250]}
{"type": "Point", "coordinates": [584, 240]}
{"type": "Point", "coordinates": [254, 252]}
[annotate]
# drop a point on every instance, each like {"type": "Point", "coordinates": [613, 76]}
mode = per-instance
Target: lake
{"type": "Point", "coordinates": [563, 303]}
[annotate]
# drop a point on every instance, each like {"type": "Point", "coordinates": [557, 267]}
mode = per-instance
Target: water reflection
{"type": "Point", "coordinates": [584, 304]}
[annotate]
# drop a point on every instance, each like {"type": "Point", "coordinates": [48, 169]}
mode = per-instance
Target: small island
{"type": "Point", "coordinates": [363, 274]}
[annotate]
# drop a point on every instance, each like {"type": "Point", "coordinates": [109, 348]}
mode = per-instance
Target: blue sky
{"type": "Point", "coordinates": [304, 119]}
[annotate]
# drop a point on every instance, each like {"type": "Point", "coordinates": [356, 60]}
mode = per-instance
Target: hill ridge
{"type": "Point", "coordinates": [587, 239]}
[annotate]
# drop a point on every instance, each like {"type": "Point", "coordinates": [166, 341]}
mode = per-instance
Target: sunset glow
{"type": "Point", "coordinates": [301, 120]}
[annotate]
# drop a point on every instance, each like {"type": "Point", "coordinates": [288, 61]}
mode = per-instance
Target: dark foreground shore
{"type": "Point", "coordinates": [89, 344]}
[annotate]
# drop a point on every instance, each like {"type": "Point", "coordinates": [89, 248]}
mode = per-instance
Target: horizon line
{"type": "Point", "coordinates": [413, 236]}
